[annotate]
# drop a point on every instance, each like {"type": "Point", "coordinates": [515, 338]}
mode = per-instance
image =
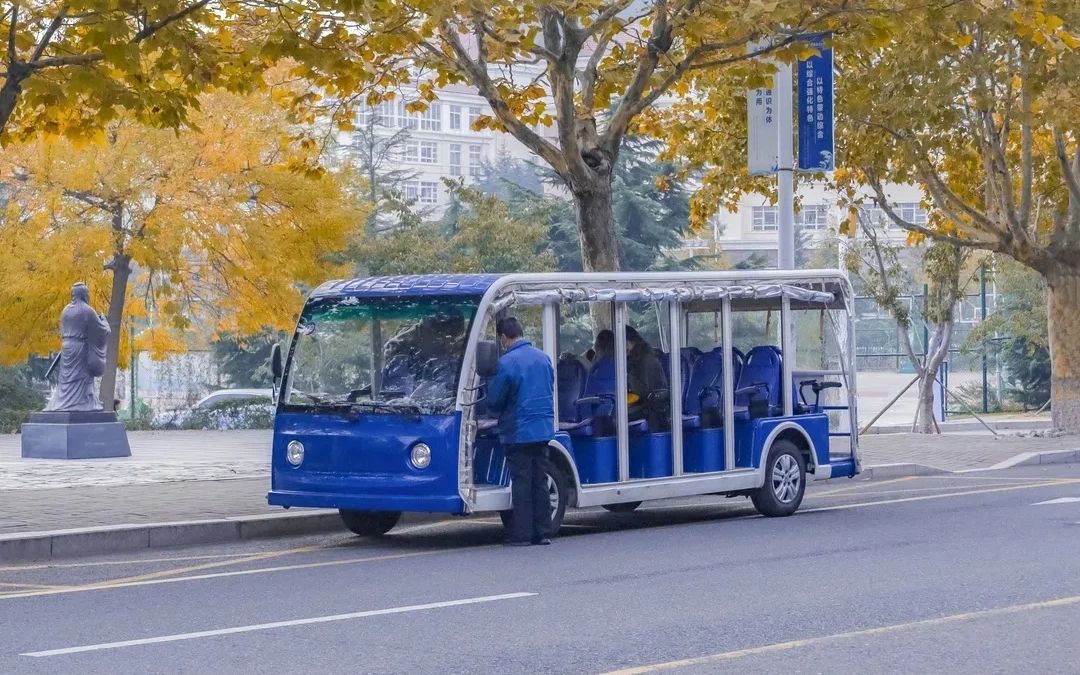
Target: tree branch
{"type": "Point", "coordinates": [13, 56]}
{"type": "Point", "coordinates": [482, 81]}
{"type": "Point", "coordinates": [1072, 181]}
{"type": "Point", "coordinates": [47, 36]}
{"type": "Point", "coordinates": [155, 26]}
{"type": "Point", "coordinates": [658, 44]}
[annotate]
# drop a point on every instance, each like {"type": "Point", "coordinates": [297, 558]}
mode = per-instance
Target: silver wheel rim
{"type": "Point", "coordinates": [553, 495]}
{"type": "Point", "coordinates": [785, 478]}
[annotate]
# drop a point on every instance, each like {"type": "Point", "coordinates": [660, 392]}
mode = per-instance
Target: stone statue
{"type": "Point", "coordinates": [82, 359]}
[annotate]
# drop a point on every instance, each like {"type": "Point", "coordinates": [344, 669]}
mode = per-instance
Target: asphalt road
{"type": "Point", "coordinates": [970, 574]}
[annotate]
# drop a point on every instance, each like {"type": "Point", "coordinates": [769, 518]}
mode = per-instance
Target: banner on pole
{"type": "Point", "coordinates": [762, 138]}
{"type": "Point", "coordinates": [816, 143]}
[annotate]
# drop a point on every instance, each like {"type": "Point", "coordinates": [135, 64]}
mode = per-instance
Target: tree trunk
{"type": "Point", "coordinates": [121, 269]}
{"type": "Point", "coordinates": [937, 351]}
{"type": "Point", "coordinates": [1064, 325]}
{"type": "Point", "coordinates": [9, 97]}
{"type": "Point", "coordinates": [924, 411]}
{"type": "Point", "coordinates": [596, 227]}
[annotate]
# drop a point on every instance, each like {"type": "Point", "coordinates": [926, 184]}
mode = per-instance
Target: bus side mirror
{"type": "Point", "coordinates": [487, 358]}
{"type": "Point", "coordinates": [275, 362]}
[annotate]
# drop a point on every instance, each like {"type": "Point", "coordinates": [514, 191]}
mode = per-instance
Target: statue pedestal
{"type": "Point", "coordinates": [74, 435]}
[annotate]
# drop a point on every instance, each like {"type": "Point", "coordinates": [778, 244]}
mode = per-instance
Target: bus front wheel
{"type": "Point", "coordinates": [785, 481]}
{"type": "Point", "coordinates": [369, 523]}
{"type": "Point", "coordinates": [558, 494]}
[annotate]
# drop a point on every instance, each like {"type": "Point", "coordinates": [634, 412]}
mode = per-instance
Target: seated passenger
{"type": "Point", "coordinates": [603, 347]}
{"type": "Point", "coordinates": [647, 383]}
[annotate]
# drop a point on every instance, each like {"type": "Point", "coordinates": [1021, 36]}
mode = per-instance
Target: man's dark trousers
{"type": "Point", "coordinates": [532, 505]}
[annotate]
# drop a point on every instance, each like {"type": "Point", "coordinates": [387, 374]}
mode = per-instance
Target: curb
{"type": "Point", "coordinates": [906, 469]}
{"type": "Point", "coordinates": [27, 546]}
{"type": "Point", "coordinates": [966, 425]}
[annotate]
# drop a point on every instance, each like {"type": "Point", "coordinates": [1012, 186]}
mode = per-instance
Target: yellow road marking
{"type": "Point", "coordinates": [235, 573]}
{"type": "Point", "coordinates": [208, 566]}
{"type": "Point", "coordinates": [103, 563]}
{"type": "Point", "coordinates": [863, 484]}
{"type": "Point", "coordinates": [880, 630]}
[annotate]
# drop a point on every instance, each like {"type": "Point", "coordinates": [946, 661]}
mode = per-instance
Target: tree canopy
{"type": "Point", "coordinates": [214, 227]}
{"type": "Point", "coordinates": [72, 66]}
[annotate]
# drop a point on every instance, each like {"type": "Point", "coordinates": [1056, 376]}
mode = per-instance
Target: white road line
{"type": "Point", "coordinates": [1059, 500]}
{"type": "Point", "coordinates": [276, 624]}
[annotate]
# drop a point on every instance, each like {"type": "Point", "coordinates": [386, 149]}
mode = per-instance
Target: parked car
{"type": "Point", "coordinates": [221, 409]}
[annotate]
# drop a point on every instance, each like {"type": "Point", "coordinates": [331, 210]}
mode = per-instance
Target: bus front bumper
{"type": "Point", "coordinates": [366, 502]}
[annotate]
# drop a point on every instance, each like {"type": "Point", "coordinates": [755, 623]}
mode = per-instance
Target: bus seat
{"type": "Point", "coordinates": [596, 407]}
{"type": "Point", "coordinates": [701, 391]}
{"type": "Point", "coordinates": [571, 376]}
{"type": "Point", "coordinates": [759, 382]}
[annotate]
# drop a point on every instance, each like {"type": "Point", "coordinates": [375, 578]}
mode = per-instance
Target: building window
{"type": "Point", "coordinates": [474, 114]}
{"type": "Point", "coordinates": [764, 219]}
{"type": "Point", "coordinates": [379, 115]}
{"type": "Point", "coordinates": [872, 215]}
{"type": "Point", "coordinates": [912, 213]}
{"type": "Point", "coordinates": [813, 216]}
{"type": "Point", "coordinates": [429, 192]}
{"type": "Point", "coordinates": [455, 159]}
{"type": "Point", "coordinates": [431, 119]}
{"type": "Point", "coordinates": [410, 189]}
{"type": "Point", "coordinates": [405, 119]}
{"type": "Point", "coordinates": [455, 118]}
{"type": "Point", "coordinates": [429, 152]}
{"type": "Point", "coordinates": [476, 160]}
{"type": "Point", "coordinates": [410, 151]}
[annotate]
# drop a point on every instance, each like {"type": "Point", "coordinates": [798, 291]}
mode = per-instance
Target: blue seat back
{"type": "Point", "coordinates": [705, 373]}
{"type": "Point", "coordinates": [763, 366]}
{"type": "Point", "coordinates": [570, 376]}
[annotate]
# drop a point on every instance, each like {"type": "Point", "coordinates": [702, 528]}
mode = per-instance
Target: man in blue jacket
{"type": "Point", "coordinates": [522, 394]}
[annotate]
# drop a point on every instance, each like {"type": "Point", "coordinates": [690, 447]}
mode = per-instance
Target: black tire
{"type": "Point", "coordinates": [557, 477]}
{"type": "Point", "coordinates": [369, 523]}
{"type": "Point", "coordinates": [781, 496]}
{"type": "Point", "coordinates": [624, 507]}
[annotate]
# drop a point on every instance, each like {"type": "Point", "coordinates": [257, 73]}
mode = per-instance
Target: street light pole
{"type": "Point", "coordinates": [785, 179]}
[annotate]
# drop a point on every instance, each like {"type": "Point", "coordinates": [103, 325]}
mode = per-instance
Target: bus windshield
{"type": "Point", "coordinates": [379, 355]}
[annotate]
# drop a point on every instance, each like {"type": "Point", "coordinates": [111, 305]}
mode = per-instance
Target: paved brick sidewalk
{"type": "Point", "coordinates": [956, 451]}
{"type": "Point", "coordinates": [176, 476]}
{"type": "Point", "coordinates": [89, 506]}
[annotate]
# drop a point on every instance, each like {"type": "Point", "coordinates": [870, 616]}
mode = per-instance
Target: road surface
{"type": "Point", "coordinates": [961, 574]}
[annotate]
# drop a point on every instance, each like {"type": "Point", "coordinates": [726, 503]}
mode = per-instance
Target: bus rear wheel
{"type": "Point", "coordinates": [785, 481]}
{"type": "Point", "coordinates": [558, 495]}
{"type": "Point", "coordinates": [369, 523]}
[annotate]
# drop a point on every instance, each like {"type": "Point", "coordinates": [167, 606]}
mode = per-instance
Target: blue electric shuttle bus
{"type": "Point", "coordinates": [381, 394]}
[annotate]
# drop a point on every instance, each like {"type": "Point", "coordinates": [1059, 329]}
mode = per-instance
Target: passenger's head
{"type": "Point", "coordinates": [604, 345]}
{"type": "Point", "coordinates": [509, 331]}
{"type": "Point", "coordinates": [633, 338]}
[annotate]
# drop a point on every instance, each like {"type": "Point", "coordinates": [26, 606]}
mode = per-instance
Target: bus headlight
{"type": "Point", "coordinates": [294, 453]}
{"type": "Point", "coordinates": [420, 456]}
